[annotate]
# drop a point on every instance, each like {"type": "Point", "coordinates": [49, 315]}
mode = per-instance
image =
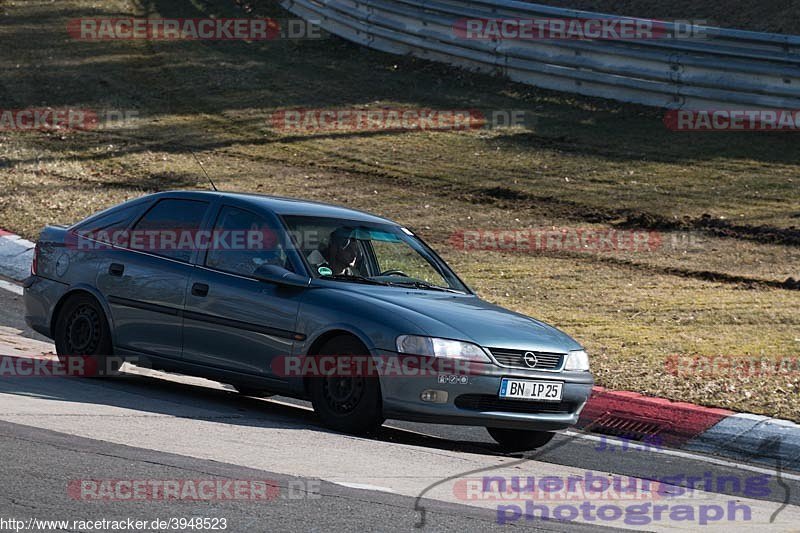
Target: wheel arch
{"type": "Point", "coordinates": [324, 337]}
{"type": "Point", "coordinates": [90, 291]}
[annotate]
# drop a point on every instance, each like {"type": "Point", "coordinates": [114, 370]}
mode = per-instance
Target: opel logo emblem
{"type": "Point", "coordinates": [530, 359]}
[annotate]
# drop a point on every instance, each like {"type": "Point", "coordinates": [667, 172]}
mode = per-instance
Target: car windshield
{"type": "Point", "coordinates": [359, 252]}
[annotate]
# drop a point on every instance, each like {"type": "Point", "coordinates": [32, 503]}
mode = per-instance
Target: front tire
{"type": "Point", "coordinates": [343, 403]}
{"type": "Point", "coordinates": [520, 439]}
{"type": "Point", "coordinates": [81, 331]}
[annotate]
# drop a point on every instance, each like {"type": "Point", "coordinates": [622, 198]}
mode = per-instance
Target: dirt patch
{"type": "Point", "coordinates": [626, 218]}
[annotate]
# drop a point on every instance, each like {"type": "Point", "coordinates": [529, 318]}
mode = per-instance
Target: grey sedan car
{"type": "Point", "coordinates": [280, 296]}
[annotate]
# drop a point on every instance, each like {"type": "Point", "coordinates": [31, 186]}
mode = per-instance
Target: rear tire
{"type": "Point", "coordinates": [81, 331]}
{"type": "Point", "coordinates": [347, 404]}
{"type": "Point", "coordinates": [520, 439]}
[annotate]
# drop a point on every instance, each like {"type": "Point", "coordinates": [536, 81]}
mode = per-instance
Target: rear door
{"type": "Point", "coordinates": [145, 280]}
{"type": "Point", "coordinates": [232, 320]}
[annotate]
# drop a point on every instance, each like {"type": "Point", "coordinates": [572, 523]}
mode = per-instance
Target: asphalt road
{"type": "Point", "coordinates": [38, 464]}
{"type": "Point", "coordinates": [152, 426]}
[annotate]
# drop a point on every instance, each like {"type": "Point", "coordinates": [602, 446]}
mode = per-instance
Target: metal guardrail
{"type": "Point", "coordinates": [731, 69]}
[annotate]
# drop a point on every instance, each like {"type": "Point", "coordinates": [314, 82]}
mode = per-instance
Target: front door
{"type": "Point", "coordinates": [232, 320]}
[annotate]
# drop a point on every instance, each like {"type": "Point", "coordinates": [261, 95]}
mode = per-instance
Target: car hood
{"type": "Point", "coordinates": [467, 317]}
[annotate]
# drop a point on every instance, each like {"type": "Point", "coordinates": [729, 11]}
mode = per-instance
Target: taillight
{"type": "Point", "coordinates": [35, 262]}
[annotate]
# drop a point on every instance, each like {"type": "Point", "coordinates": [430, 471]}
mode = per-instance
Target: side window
{"type": "Point", "coordinates": [244, 242]}
{"type": "Point", "coordinates": [169, 228]}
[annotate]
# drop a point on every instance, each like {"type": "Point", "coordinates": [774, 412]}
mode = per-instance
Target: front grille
{"type": "Point", "coordinates": [486, 402]}
{"type": "Point", "coordinates": [516, 359]}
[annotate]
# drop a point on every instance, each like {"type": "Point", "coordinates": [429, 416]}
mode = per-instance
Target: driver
{"type": "Point", "coordinates": [344, 254]}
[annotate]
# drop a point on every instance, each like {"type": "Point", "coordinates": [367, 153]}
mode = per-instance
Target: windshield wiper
{"type": "Point", "coordinates": [424, 285]}
{"type": "Point", "coordinates": [416, 283]}
{"type": "Point", "coordinates": [357, 279]}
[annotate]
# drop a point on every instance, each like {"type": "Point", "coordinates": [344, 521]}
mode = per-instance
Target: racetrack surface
{"type": "Point", "coordinates": [149, 425]}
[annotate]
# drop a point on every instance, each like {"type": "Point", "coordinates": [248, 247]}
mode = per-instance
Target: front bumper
{"type": "Point", "coordinates": [473, 400]}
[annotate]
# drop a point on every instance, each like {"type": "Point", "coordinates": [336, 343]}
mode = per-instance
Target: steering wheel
{"type": "Point", "coordinates": [394, 273]}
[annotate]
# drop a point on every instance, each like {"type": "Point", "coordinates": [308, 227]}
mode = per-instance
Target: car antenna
{"type": "Point", "coordinates": [204, 170]}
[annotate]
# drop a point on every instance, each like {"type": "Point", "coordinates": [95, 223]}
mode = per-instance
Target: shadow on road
{"type": "Point", "coordinates": [165, 394]}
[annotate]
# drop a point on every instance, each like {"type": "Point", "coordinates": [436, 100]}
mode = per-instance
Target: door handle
{"type": "Point", "coordinates": [200, 289]}
{"type": "Point", "coordinates": [116, 269]}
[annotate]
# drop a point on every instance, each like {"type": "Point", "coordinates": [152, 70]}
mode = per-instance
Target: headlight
{"type": "Point", "coordinates": [431, 346]}
{"type": "Point", "coordinates": [577, 360]}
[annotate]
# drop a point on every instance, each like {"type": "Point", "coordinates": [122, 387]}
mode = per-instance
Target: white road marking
{"type": "Point", "coordinates": [665, 451]}
{"type": "Point", "coordinates": [363, 486]}
{"type": "Point", "coordinates": [11, 287]}
{"type": "Point", "coordinates": [689, 455]}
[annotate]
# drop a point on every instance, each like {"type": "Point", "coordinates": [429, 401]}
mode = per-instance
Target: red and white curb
{"type": "Point", "coordinates": [740, 436]}
{"type": "Point", "coordinates": [16, 255]}
{"type": "Point", "coordinates": [680, 425]}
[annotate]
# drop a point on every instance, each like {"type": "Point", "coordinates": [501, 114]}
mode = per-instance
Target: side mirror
{"type": "Point", "coordinates": [280, 276]}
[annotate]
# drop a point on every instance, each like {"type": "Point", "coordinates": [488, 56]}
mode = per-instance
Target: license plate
{"type": "Point", "coordinates": [523, 389]}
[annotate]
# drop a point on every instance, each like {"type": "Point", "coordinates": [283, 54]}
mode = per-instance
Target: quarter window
{"type": "Point", "coordinates": [110, 228]}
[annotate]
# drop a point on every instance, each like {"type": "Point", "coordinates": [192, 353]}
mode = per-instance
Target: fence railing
{"type": "Point", "coordinates": [715, 68]}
